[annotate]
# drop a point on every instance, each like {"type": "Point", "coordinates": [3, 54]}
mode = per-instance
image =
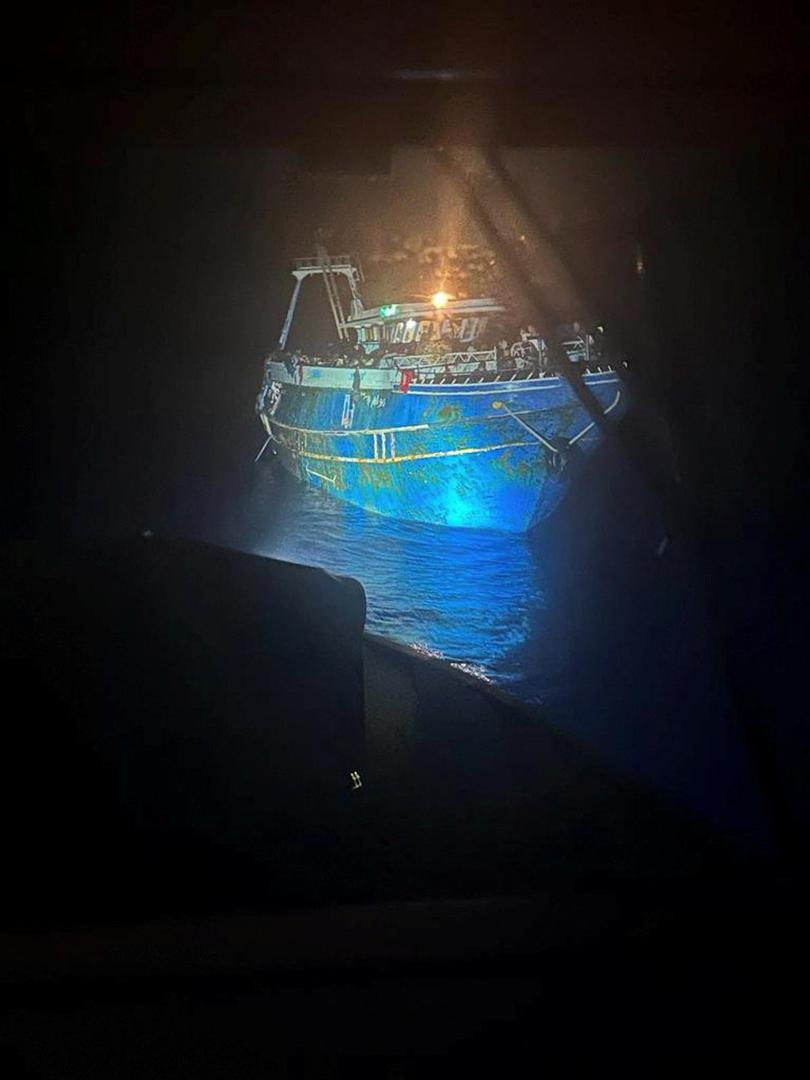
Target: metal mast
{"type": "Point", "coordinates": [329, 268]}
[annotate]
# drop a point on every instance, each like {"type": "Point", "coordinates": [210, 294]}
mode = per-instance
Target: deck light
{"type": "Point", "coordinates": [440, 299]}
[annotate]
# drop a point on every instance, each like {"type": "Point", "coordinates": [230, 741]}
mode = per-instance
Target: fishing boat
{"type": "Point", "coordinates": [415, 415]}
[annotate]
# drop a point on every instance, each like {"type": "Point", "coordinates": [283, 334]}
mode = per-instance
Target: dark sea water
{"type": "Point", "coordinates": [584, 617]}
{"type": "Point", "coordinates": [470, 597]}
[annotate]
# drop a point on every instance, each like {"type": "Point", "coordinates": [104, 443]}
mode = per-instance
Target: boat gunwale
{"type": "Point", "coordinates": [444, 424]}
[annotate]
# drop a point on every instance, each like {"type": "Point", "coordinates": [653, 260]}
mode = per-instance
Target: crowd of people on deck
{"type": "Point", "coordinates": [528, 350]}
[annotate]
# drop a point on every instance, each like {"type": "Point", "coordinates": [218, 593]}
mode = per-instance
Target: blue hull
{"type": "Point", "coordinates": [455, 455]}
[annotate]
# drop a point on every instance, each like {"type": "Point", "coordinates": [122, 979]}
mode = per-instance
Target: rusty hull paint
{"type": "Point", "coordinates": [447, 458]}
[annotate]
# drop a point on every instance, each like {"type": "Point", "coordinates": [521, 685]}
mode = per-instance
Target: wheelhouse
{"type": "Point", "coordinates": [421, 322]}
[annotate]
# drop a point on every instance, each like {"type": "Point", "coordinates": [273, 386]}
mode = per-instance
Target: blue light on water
{"type": "Point", "coordinates": [585, 617]}
{"type": "Point", "coordinates": [469, 596]}
{"type": "Point", "coordinates": [588, 622]}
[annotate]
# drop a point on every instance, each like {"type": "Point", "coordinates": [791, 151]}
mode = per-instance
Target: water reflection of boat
{"type": "Point", "coordinates": [414, 417]}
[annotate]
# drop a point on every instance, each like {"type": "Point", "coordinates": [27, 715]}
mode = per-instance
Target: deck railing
{"type": "Point", "coordinates": [463, 367]}
{"type": "Point", "coordinates": [438, 376]}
